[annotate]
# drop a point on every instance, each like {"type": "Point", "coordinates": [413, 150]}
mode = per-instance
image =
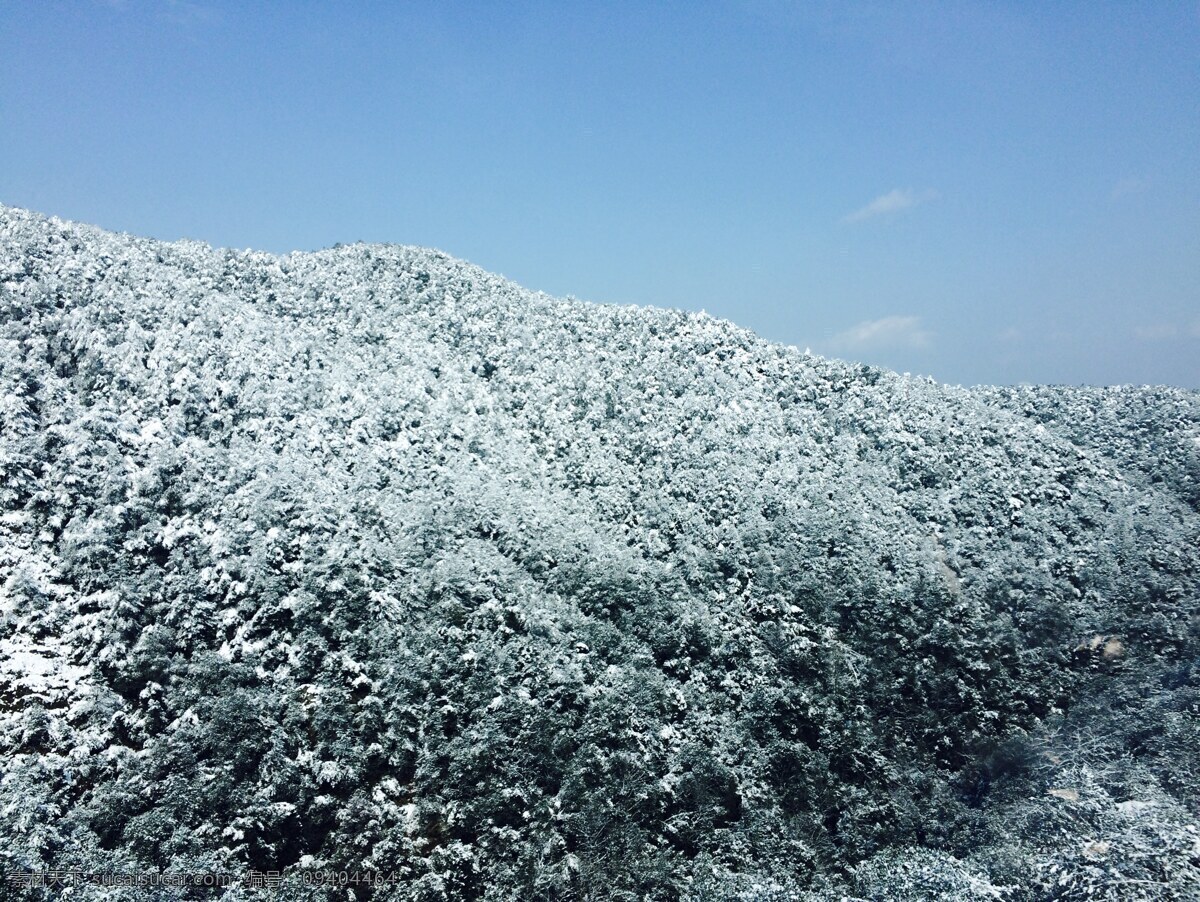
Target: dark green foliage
{"type": "Point", "coordinates": [369, 561]}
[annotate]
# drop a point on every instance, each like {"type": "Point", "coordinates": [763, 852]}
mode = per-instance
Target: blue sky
{"type": "Point", "coordinates": [981, 192]}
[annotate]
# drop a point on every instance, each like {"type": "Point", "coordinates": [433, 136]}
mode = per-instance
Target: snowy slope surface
{"type": "Point", "coordinates": [367, 559]}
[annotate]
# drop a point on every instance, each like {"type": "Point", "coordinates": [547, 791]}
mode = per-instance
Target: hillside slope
{"type": "Point", "coordinates": [366, 559]}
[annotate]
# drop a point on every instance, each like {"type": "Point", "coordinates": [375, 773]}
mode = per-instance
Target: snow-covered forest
{"type": "Point", "coordinates": [367, 560]}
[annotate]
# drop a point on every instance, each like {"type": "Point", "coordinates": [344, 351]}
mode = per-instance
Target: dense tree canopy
{"type": "Point", "coordinates": [368, 560]}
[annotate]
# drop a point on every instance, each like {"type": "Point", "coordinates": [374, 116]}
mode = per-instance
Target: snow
{"type": "Point", "coordinates": [381, 542]}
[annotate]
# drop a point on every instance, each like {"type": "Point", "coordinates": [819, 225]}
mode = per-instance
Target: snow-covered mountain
{"type": "Point", "coordinates": [368, 560]}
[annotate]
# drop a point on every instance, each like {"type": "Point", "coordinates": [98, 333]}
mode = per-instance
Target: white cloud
{"type": "Point", "coordinates": [892, 202]}
{"type": "Point", "coordinates": [185, 13]}
{"type": "Point", "coordinates": [1164, 331]}
{"type": "Point", "coordinates": [189, 13]}
{"type": "Point", "coordinates": [1012, 333]}
{"type": "Point", "coordinates": [889, 332]}
{"type": "Point", "coordinates": [1127, 186]}
{"type": "Point", "coordinates": [1156, 331]}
